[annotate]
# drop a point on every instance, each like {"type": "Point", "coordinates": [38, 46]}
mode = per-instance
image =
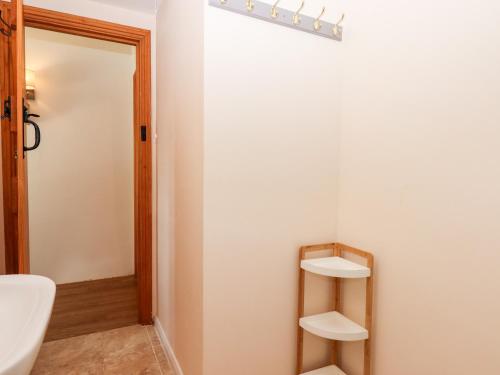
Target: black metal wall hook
{"type": "Point", "coordinates": [7, 32]}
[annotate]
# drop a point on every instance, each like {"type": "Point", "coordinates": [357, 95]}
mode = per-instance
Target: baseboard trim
{"type": "Point", "coordinates": [167, 347]}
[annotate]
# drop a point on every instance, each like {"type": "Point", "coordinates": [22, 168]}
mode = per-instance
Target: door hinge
{"type": "Point", "coordinates": [144, 134]}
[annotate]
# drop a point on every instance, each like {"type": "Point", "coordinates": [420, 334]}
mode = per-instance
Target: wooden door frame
{"type": "Point", "coordinates": [13, 163]}
{"type": "Point", "coordinates": [9, 146]}
{"type": "Point", "coordinates": [141, 39]}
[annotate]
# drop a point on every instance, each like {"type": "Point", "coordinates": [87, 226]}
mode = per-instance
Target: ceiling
{"type": "Point", "coordinates": [146, 6]}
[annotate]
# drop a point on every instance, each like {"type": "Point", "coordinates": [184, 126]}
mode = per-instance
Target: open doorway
{"type": "Point", "coordinates": [81, 177]}
{"type": "Point", "coordinates": [88, 166]}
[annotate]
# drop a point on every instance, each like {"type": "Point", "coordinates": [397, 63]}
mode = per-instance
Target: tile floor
{"type": "Point", "coordinates": [125, 351]}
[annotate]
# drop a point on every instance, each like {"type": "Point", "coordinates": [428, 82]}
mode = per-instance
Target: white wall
{"type": "Point", "coordinates": [93, 9]}
{"type": "Point", "coordinates": [81, 178]}
{"type": "Point", "coordinates": [420, 179]}
{"type": "Point", "coordinates": [180, 183]}
{"type": "Point", "coordinates": [272, 102]}
{"type": "Point", "coordinates": [411, 97]}
{"type": "Point", "coordinates": [260, 163]}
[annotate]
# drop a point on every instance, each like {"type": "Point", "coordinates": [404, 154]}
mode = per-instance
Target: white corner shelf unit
{"type": "Point", "coordinates": [330, 370]}
{"type": "Point", "coordinates": [332, 325]}
{"type": "Point", "coordinates": [335, 267]}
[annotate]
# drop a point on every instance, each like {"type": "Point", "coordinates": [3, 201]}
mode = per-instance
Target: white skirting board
{"type": "Point", "coordinates": [167, 347]}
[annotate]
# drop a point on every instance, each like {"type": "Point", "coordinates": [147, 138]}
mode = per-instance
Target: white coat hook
{"type": "Point", "coordinates": [317, 21]}
{"type": "Point", "coordinates": [296, 16]}
{"type": "Point", "coordinates": [336, 29]}
{"type": "Point", "coordinates": [274, 9]}
{"type": "Point", "coordinates": [250, 5]}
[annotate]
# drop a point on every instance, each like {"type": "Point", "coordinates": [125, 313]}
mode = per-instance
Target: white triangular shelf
{"type": "Point", "coordinates": [335, 267]}
{"type": "Point", "coordinates": [333, 326]}
{"type": "Point", "coordinates": [330, 370]}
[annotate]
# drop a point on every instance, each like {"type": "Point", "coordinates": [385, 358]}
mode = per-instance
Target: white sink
{"type": "Point", "coordinates": [25, 307]}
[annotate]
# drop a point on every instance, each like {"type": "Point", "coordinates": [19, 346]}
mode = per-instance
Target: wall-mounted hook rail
{"type": "Point", "coordinates": [284, 17]}
{"type": "Point", "coordinates": [9, 28]}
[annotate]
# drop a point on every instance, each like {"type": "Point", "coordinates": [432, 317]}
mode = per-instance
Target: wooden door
{"type": "Point", "coordinates": [13, 155]}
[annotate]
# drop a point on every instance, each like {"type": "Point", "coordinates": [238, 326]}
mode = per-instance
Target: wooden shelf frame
{"type": "Point", "coordinates": [337, 250]}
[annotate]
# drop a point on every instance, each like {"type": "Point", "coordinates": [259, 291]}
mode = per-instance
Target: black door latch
{"type": "Point", "coordinates": [38, 135]}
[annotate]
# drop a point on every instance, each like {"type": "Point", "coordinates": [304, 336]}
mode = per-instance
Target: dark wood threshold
{"type": "Point", "coordinates": [93, 306]}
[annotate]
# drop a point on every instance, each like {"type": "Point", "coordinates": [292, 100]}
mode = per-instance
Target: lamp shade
{"type": "Point", "coordinates": [30, 79]}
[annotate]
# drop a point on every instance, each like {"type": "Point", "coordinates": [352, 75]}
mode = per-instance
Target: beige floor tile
{"type": "Point", "coordinates": [75, 355]}
{"type": "Point", "coordinates": [159, 352]}
{"type": "Point", "coordinates": [138, 364]}
{"type": "Point", "coordinates": [153, 336]}
{"type": "Point", "coordinates": [124, 340]}
{"type": "Point", "coordinates": [134, 350]}
{"type": "Point", "coordinates": [76, 370]}
{"type": "Point", "coordinates": [166, 368]}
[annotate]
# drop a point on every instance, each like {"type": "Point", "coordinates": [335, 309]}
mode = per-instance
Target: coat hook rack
{"type": "Point", "coordinates": [294, 19]}
{"type": "Point", "coordinates": [8, 31]}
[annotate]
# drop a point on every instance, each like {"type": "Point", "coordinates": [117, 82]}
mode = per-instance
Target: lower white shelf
{"type": "Point", "coordinates": [330, 370]}
{"type": "Point", "coordinates": [333, 326]}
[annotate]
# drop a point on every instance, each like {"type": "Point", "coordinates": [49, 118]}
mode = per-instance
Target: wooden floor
{"type": "Point", "coordinates": [93, 306]}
